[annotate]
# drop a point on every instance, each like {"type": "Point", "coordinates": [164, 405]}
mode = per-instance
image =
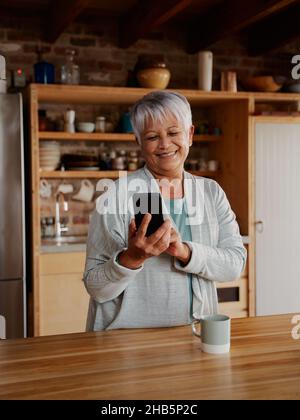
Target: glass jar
{"type": "Point", "coordinates": [122, 154]}
{"type": "Point", "coordinates": [100, 124]}
{"type": "Point", "coordinates": [43, 227]}
{"type": "Point", "coordinates": [104, 162]}
{"type": "Point", "coordinates": [70, 72]}
{"type": "Point", "coordinates": [50, 227]}
{"type": "Point", "coordinates": [192, 164]}
{"type": "Point", "coordinates": [117, 160]}
{"type": "Point", "coordinates": [112, 159]}
{"type": "Point", "coordinates": [133, 161]}
{"type": "Point", "coordinates": [133, 164]}
{"type": "Point", "coordinates": [118, 164]}
{"type": "Point", "coordinates": [42, 120]}
{"type": "Point", "coordinates": [202, 164]}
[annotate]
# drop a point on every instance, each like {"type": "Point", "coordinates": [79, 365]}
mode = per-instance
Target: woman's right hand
{"type": "Point", "coordinates": [141, 247]}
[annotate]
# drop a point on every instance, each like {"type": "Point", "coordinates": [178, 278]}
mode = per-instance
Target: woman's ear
{"type": "Point", "coordinates": [191, 134]}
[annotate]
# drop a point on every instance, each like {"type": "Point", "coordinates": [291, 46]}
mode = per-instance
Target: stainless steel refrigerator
{"type": "Point", "coordinates": [12, 219]}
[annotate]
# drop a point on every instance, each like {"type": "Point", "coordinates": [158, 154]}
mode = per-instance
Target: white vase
{"type": "Point", "coordinates": [205, 70]}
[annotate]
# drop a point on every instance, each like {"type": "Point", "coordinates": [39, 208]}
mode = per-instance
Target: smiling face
{"type": "Point", "coordinates": [165, 146]}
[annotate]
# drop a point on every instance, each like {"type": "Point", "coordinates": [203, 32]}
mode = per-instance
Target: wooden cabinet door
{"type": "Point", "coordinates": [63, 304]}
{"type": "Point", "coordinates": [277, 191]}
{"type": "Point", "coordinates": [63, 299]}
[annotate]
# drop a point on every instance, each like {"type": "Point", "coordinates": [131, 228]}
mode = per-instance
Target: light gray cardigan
{"type": "Point", "coordinates": [157, 294]}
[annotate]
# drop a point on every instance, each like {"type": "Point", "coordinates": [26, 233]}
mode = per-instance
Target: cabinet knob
{"type": "Point", "coordinates": [259, 224]}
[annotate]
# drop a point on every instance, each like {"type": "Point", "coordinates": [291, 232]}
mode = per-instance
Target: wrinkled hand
{"type": "Point", "coordinates": [178, 249]}
{"type": "Point", "coordinates": [141, 247]}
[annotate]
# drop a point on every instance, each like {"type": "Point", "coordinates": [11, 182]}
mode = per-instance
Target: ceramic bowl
{"type": "Point", "coordinates": [261, 84]}
{"type": "Point", "coordinates": [293, 87]}
{"type": "Point", "coordinates": [50, 145]}
{"type": "Point", "coordinates": [154, 78]}
{"type": "Point", "coordinates": [85, 127]}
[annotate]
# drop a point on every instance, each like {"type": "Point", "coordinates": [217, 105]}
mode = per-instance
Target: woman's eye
{"type": "Point", "coordinates": [174, 133]}
{"type": "Point", "coordinates": [152, 138]}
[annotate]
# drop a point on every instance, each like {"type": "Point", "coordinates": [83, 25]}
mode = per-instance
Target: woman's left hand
{"type": "Point", "coordinates": [178, 249]}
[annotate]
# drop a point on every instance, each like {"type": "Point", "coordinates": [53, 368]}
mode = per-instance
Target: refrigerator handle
{"type": "Point", "coordinates": [2, 327]}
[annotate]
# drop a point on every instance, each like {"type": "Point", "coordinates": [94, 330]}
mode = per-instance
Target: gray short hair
{"type": "Point", "coordinates": [156, 106]}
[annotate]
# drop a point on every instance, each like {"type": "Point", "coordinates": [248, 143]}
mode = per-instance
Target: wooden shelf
{"type": "Point", "coordinates": [105, 174]}
{"type": "Point", "coordinates": [81, 174]}
{"type": "Point", "coordinates": [63, 136]}
{"type": "Point", "coordinates": [207, 138]}
{"type": "Point", "coordinates": [70, 94]}
{"type": "Point", "coordinates": [205, 174]}
{"type": "Point", "coordinates": [276, 119]}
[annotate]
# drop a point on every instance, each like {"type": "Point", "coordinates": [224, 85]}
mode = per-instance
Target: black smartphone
{"type": "Point", "coordinates": [148, 203]}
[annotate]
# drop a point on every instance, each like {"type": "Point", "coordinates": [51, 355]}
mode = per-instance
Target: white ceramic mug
{"type": "Point", "coordinates": [215, 333]}
{"type": "Point", "coordinates": [212, 165]}
{"type": "Point", "coordinates": [86, 191]}
{"type": "Point", "coordinates": [45, 189]}
{"type": "Point", "coordinates": [65, 188]}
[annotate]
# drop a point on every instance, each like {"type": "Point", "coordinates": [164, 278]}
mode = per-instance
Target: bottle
{"type": "Point", "coordinates": [103, 161]}
{"type": "Point", "coordinates": [44, 72]}
{"type": "Point", "coordinates": [123, 159]}
{"type": "Point", "coordinates": [126, 126]}
{"type": "Point", "coordinates": [70, 73]}
{"type": "Point", "coordinates": [43, 227]}
{"type": "Point", "coordinates": [113, 160]}
{"type": "Point", "coordinates": [50, 228]}
{"type": "Point", "coordinates": [100, 124]}
{"type": "Point", "coordinates": [42, 120]}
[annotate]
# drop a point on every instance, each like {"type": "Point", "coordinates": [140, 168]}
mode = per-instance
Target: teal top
{"type": "Point", "coordinates": [178, 212]}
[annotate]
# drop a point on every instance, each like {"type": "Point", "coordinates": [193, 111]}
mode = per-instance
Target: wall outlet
{"type": "Point", "coordinates": [19, 78]}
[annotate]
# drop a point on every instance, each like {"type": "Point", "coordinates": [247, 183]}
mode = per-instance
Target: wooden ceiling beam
{"type": "Point", "coordinates": [275, 32]}
{"type": "Point", "coordinates": [230, 17]}
{"type": "Point", "coordinates": [11, 9]}
{"type": "Point", "coordinates": [146, 16]}
{"type": "Point", "coordinates": [61, 15]}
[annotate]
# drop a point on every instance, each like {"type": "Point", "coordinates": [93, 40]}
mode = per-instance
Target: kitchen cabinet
{"type": "Point", "coordinates": [277, 216]}
{"type": "Point", "coordinates": [234, 149]}
{"type": "Point", "coordinates": [63, 299]}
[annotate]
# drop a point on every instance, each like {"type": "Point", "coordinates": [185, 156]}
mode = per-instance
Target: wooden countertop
{"type": "Point", "coordinates": [264, 363]}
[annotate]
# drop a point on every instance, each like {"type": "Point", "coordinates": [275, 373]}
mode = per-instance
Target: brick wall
{"type": "Point", "coordinates": [103, 63]}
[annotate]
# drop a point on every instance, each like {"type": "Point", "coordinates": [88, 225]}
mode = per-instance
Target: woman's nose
{"type": "Point", "coordinates": [164, 142]}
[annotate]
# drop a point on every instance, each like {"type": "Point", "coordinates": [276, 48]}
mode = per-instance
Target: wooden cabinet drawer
{"type": "Point", "coordinates": [62, 263]}
{"type": "Point", "coordinates": [238, 307]}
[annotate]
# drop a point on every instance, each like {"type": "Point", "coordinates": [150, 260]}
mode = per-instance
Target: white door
{"type": "Point", "coordinates": [278, 208]}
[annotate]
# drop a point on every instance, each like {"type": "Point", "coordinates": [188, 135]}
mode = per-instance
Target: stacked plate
{"type": "Point", "coordinates": [49, 156]}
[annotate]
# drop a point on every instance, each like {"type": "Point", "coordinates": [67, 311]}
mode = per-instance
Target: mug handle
{"type": "Point", "coordinates": [194, 323]}
{"type": "Point", "coordinates": [44, 183]}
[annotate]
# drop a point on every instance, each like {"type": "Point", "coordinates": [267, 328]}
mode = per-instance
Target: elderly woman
{"type": "Point", "coordinates": [168, 278]}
